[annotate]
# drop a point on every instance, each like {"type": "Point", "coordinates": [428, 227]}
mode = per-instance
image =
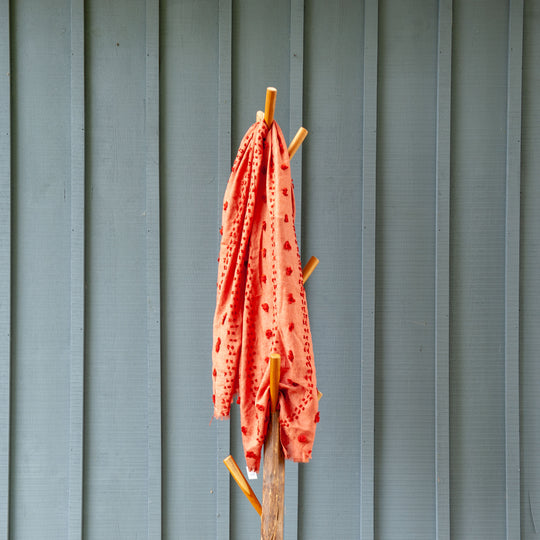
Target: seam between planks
{"type": "Point", "coordinates": [442, 271]}
{"type": "Point", "coordinates": [5, 266]}
{"type": "Point", "coordinates": [513, 181]}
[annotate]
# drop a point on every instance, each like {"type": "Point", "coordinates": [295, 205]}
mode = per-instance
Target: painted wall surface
{"type": "Point", "coordinates": [417, 188]}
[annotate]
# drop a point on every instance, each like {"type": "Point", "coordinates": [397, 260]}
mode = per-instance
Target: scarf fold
{"type": "Point", "coordinates": [261, 303]}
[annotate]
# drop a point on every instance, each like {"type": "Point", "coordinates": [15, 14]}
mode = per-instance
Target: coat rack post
{"type": "Point", "coordinates": [274, 465]}
{"type": "Point", "coordinates": [272, 511]}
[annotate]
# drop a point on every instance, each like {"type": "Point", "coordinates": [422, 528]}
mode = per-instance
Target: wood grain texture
{"type": "Point", "coordinates": [273, 498]}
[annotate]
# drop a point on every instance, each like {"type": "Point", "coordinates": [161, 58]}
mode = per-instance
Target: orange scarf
{"type": "Point", "coordinates": [261, 303]}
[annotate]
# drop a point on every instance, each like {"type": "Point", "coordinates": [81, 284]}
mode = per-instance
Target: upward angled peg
{"type": "Point", "coordinates": [270, 105]}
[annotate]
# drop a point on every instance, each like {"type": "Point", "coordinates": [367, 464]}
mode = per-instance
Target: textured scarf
{"type": "Point", "coordinates": [261, 303]}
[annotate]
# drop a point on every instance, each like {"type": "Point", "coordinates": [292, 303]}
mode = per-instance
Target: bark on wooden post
{"type": "Point", "coordinates": [274, 466]}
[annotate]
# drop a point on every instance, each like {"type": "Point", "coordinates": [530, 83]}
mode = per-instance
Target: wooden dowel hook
{"type": "Point", "coordinates": [298, 139]}
{"type": "Point", "coordinates": [270, 105]}
{"type": "Point", "coordinates": [275, 372]}
{"type": "Point", "coordinates": [268, 116]}
{"type": "Point", "coordinates": [243, 484]}
{"type": "Point", "coordinates": [308, 269]}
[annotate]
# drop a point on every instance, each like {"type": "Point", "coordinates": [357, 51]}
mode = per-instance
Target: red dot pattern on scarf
{"type": "Point", "coordinates": [261, 306]}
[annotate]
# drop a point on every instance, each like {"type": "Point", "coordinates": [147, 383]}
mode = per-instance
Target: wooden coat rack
{"type": "Point", "coordinates": [272, 509]}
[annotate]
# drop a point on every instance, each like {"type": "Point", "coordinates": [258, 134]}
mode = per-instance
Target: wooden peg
{"type": "Point", "coordinates": [270, 105]}
{"type": "Point", "coordinates": [259, 116]}
{"type": "Point", "coordinates": [298, 139]}
{"type": "Point", "coordinates": [243, 484]}
{"type": "Point", "coordinates": [308, 269]}
{"type": "Point", "coordinates": [275, 369]}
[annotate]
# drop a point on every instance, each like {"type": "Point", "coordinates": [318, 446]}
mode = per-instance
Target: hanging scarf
{"type": "Point", "coordinates": [261, 303]}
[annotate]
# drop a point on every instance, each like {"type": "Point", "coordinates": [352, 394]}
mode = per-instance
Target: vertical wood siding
{"type": "Point", "coordinates": [77, 246]}
{"type": "Point", "coordinates": [40, 265]}
{"type": "Point", "coordinates": [5, 264]}
{"type": "Point", "coordinates": [442, 275]}
{"type": "Point", "coordinates": [332, 214]}
{"type": "Point", "coordinates": [417, 188]}
{"type": "Point", "coordinates": [529, 291]}
{"type": "Point", "coordinates": [477, 269]}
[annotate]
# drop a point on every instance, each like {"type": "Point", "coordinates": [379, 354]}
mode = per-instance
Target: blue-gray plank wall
{"type": "Point", "coordinates": [418, 190]}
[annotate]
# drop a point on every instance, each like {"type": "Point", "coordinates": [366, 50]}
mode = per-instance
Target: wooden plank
{"type": "Point", "coordinates": [153, 267]}
{"type": "Point", "coordinates": [190, 142]}
{"type": "Point", "coordinates": [254, 69]}
{"type": "Point", "coordinates": [405, 271]}
{"type": "Point", "coordinates": [512, 266]}
{"type": "Point", "coordinates": [477, 273]}
{"type": "Point", "coordinates": [77, 246]}
{"type": "Point", "coordinates": [223, 171]}
{"type": "Point", "coordinates": [116, 363]}
{"type": "Point", "coordinates": [332, 222]}
{"type": "Point", "coordinates": [41, 269]}
{"type": "Point", "coordinates": [5, 265]}
{"type": "Point", "coordinates": [442, 269]}
{"type": "Point", "coordinates": [369, 183]}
